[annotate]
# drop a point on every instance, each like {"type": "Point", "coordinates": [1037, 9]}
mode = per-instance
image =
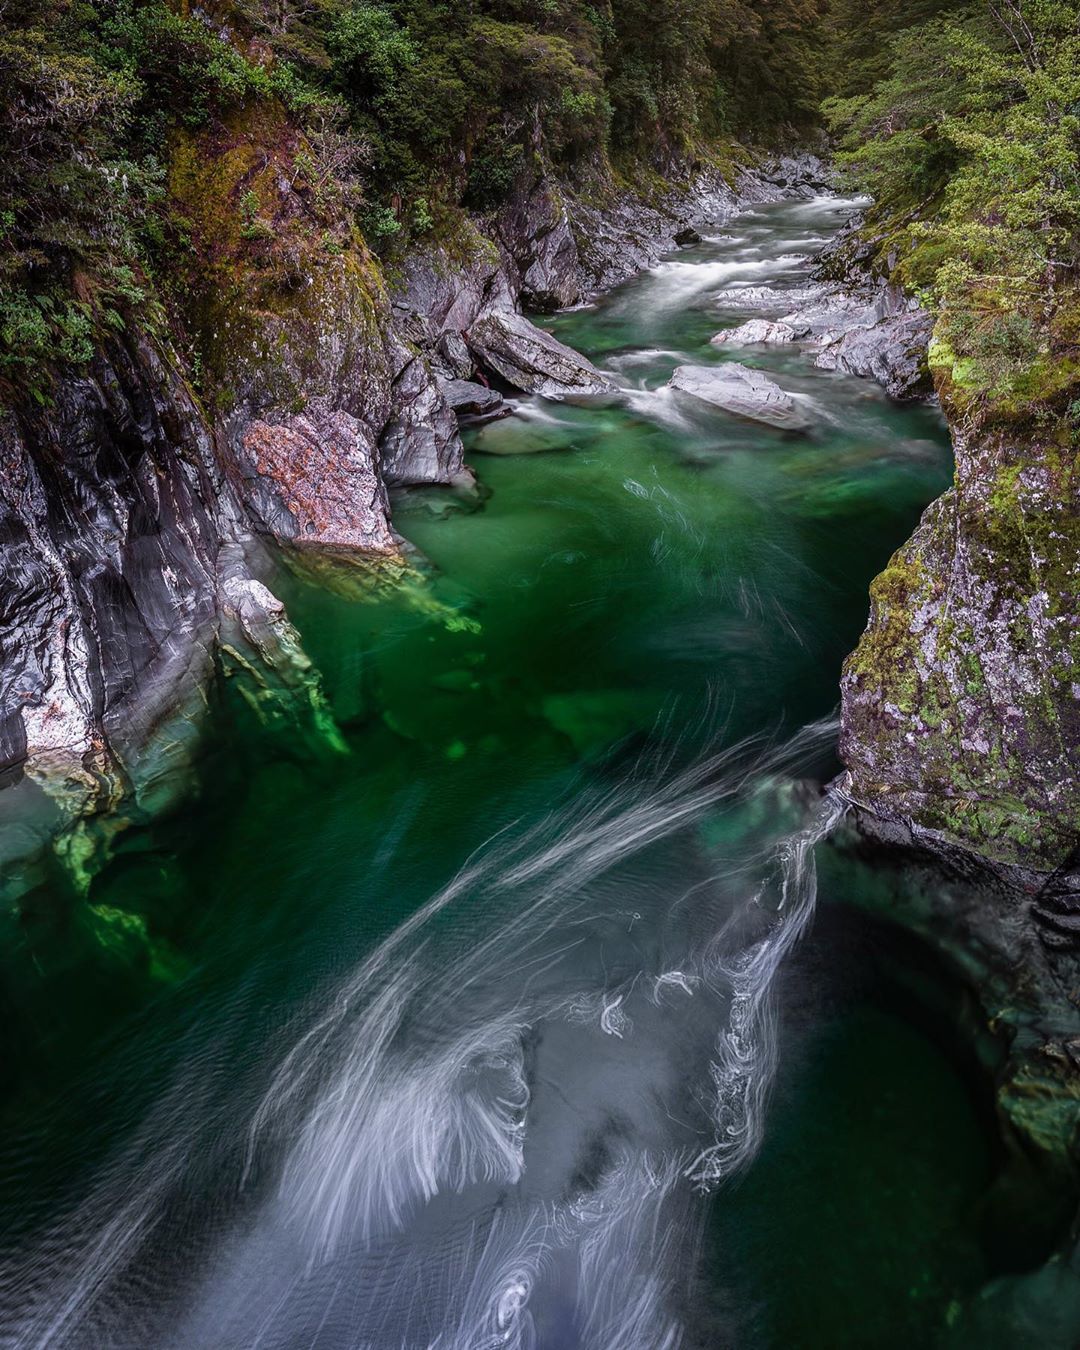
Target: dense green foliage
{"type": "Point", "coordinates": [960, 120]}
{"type": "Point", "coordinates": [416, 103]}
{"type": "Point", "coordinates": [970, 146]}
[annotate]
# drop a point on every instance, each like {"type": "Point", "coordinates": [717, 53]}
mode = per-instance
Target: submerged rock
{"type": "Point", "coordinates": [742, 391]}
{"type": "Point", "coordinates": [530, 359]}
{"type": "Point", "coordinates": [754, 331]}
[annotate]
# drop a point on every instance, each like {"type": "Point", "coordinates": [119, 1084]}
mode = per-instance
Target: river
{"type": "Point", "coordinates": [464, 1033]}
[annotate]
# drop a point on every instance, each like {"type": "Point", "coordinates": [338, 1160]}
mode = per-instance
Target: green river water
{"type": "Point", "coordinates": [257, 1094]}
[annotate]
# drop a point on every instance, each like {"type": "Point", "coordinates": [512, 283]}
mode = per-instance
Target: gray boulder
{"type": "Point", "coordinates": [755, 331]}
{"type": "Point", "coordinates": [420, 443]}
{"type": "Point", "coordinates": [469, 399]}
{"type": "Point", "coordinates": [530, 359]}
{"type": "Point", "coordinates": [777, 299]}
{"type": "Point", "coordinates": [742, 391]}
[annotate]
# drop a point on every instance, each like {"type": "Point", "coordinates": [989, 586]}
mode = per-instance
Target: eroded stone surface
{"type": "Point", "coordinates": [961, 704]}
{"type": "Point", "coordinates": [754, 331]}
{"type": "Point", "coordinates": [313, 480]}
{"type": "Point", "coordinates": [469, 399]}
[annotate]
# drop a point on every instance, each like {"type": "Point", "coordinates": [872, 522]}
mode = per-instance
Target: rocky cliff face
{"type": "Point", "coordinates": [122, 566]}
{"type": "Point", "coordinates": [962, 701]}
{"type": "Point", "coordinates": [961, 704]}
{"type": "Point", "coordinates": [960, 733]}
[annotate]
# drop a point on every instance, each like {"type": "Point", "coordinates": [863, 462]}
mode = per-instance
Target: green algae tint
{"type": "Point", "coordinates": [635, 586]}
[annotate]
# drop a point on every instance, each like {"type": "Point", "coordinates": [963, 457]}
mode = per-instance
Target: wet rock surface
{"type": "Point", "coordinates": [420, 443]}
{"type": "Point", "coordinates": [531, 360]}
{"type": "Point", "coordinates": [862, 328]}
{"type": "Point", "coordinates": [755, 331]}
{"type": "Point", "coordinates": [469, 399]}
{"type": "Point", "coordinates": [742, 391]}
{"type": "Point", "coordinates": [118, 520]}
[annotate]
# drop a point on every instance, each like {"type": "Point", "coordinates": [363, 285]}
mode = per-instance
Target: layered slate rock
{"type": "Point", "coordinates": [742, 391]}
{"type": "Point", "coordinates": [121, 535]}
{"type": "Point", "coordinates": [865, 329]}
{"type": "Point", "coordinates": [531, 360]}
{"type": "Point", "coordinates": [469, 399]}
{"type": "Point", "coordinates": [420, 443]}
{"type": "Point", "coordinates": [891, 351]}
{"type": "Point", "coordinates": [534, 229]}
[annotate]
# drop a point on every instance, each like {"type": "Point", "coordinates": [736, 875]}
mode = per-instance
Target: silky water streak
{"type": "Point", "coordinates": [494, 1133]}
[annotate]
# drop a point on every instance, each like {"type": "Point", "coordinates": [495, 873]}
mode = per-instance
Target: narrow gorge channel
{"type": "Point", "coordinates": [489, 1024]}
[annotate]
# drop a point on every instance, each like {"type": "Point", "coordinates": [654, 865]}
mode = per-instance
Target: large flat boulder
{"type": "Point", "coordinates": [530, 359]}
{"type": "Point", "coordinates": [742, 391]}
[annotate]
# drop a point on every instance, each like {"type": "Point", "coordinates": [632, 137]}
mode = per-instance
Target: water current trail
{"type": "Point", "coordinates": [489, 1108]}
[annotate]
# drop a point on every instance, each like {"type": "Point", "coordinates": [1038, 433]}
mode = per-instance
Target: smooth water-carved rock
{"type": "Point", "coordinates": [742, 391]}
{"type": "Point", "coordinates": [864, 328]}
{"type": "Point", "coordinates": [310, 480]}
{"type": "Point", "coordinates": [533, 361]}
{"type": "Point", "coordinates": [775, 299]}
{"type": "Point", "coordinates": [892, 351]}
{"type": "Point", "coordinates": [469, 399]}
{"type": "Point", "coordinates": [753, 332]}
{"type": "Point", "coordinates": [421, 442]}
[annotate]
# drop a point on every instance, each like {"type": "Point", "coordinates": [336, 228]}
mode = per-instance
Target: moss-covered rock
{"type": "Point", "coordinates": [962, 701]}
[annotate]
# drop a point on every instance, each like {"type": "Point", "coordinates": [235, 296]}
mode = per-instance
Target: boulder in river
{"type": "Point", "coordinates": [530, 359]}
{"type": "Point", "coordinates": [755, 331]}
{"type": "Point", "coordinates": [740, 390]}
{"type": "Point", "coordinates": [469, 399]}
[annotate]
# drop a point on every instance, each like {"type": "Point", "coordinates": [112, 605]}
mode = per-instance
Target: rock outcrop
{"type": "Point", "coordinates": [314, 480]}
{"type": "Point", "coordinates": [859, 326]}
{"type": "Point", "coordinates": [961, 704]}
{"type": "Point", "coordinates": [118, 521]}
{"type": "Point", "coordinates": [753, 332]}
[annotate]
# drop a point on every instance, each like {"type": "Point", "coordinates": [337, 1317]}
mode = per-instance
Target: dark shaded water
{"type": "Point", "coordinates": [447, 1040]}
